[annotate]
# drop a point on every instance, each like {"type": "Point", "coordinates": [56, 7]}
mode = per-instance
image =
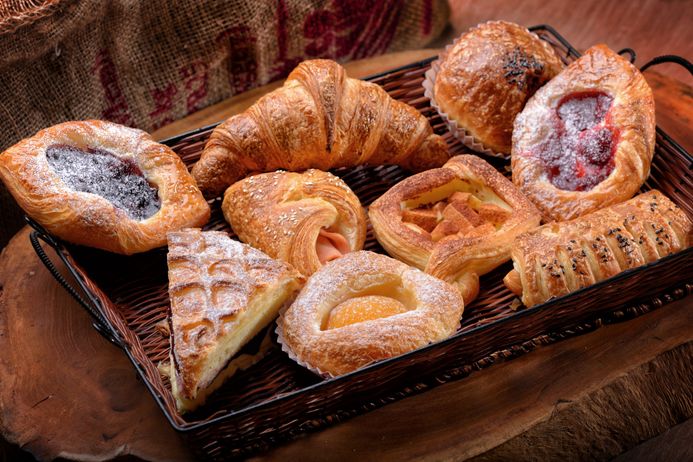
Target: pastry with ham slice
{"type": "Point", "coordinates": [306, 219]}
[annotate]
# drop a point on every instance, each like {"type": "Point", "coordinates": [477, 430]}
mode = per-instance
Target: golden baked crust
{"type": "Point", "coordinates": [631, 114]}
{"type": "Point", "coordinates": [433, 311]}
{"type": "Point", "coordinates": [460, 257]}
{"type": "Point", "coordinates": [223, 292]}
{"type": "Point", "coordinates": [284, 214]}
{"type": "Point", "coordinates": [488, 75]}
{"type": "Point", "coordinates": [90, 219]}
{"type": "Point", "coordinates": [559, 258]}
{"type": "Point", "coordinates": [320, 119]}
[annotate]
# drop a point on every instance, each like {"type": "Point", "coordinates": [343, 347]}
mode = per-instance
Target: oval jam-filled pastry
{"type": "Point", "coordinates": [586, 139]}
{"type": "Point", "coordinates": [366, 307]}
{"type": "Point", "coordinates": [103, 185]}
{"type": "Point", "coordinates": [306, 219]}
{"type": "Point", "coordinates": [455, 222]}
{"type": "Point", "coordinates": [559, 258]}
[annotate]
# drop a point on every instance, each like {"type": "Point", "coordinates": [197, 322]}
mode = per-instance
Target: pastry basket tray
{"type": "Point", "coordinates": [275, 399]}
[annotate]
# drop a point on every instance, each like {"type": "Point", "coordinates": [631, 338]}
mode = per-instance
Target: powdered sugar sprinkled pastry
{"type": "Point", "coordinates": [586, 139]}
{"type": "Point", "coordinates": [223, 293]}
{"type": "Point", "coordinates": [305, 219]}
{"type": "Point", "coordinates": [366, 307]}
{"type": "Point", "coordinates": [103, 185]}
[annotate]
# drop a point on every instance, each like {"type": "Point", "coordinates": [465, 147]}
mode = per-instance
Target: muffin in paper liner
{"type": "Point", "coordinates": [464, 136]}
{"type": "Point", "coordinates": [458, 132]}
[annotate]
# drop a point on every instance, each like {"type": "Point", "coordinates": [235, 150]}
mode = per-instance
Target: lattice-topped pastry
{"type": "Point", "coordinates": [454, 222]}
{"type": "Point", "coordinates": [559, 258]}
{"type": "Point", "coordinates": [306, 219]}
{"type": "Point", "coordinates": [586, 139]}
{"type": "Point", "coordinates": [103, 185]}
{"type": "Point", "coordinates": [223, 292]}
{"type": "Point", "coordinates": [366, 307]}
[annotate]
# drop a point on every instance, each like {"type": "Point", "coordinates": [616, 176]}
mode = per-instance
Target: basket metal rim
{"type": "Point", "coordinates": [194, 426]}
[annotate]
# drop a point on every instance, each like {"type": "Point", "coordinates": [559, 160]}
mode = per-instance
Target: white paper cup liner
{"type": "Point", "coordinates": [286, 349]}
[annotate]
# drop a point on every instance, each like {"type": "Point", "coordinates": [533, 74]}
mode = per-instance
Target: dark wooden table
{"type": "Point", "coordinates": [622, 389]}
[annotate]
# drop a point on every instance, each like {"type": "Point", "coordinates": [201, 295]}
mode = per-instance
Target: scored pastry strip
{"type": "Point", "coordinates": [305, 219]}
{"type": "Point", "coordinates": [454, 222]}
{"type": "Point", "coordinates": [559, 258]}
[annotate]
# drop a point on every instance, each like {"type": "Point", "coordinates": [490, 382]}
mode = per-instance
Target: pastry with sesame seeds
{"type": "Point", "coordinates": [305, 219]}
{"type": "Point", "coordinates": [559, 258]}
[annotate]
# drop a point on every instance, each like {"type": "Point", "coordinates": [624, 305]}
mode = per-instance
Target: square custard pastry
{"type": "Point", "coordinates": [455, 222]}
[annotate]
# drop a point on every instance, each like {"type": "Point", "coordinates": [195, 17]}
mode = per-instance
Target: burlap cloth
{"type": "Point", "coordinates": [145, 63]}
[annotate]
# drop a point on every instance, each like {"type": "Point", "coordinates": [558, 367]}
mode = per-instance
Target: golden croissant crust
{"type": "Point", "coordinates": [306, 219]}
{"type": "Point", "coordinates": [223, 292]}
{"type": "Point", "coordinates": [320, 119]}
{"type": "Point", "coordinates": [456, 222]}
{"type": "Point", "coordinates": [103, 185]}
{"type": "Point", "coordinates": [365, 307]}
{"type": "Point", "coordinates": [586, 139]}
{"type": "Point", "coordinates": [559, 258]}
{"type": "Point", "coordinates": [488, 75]}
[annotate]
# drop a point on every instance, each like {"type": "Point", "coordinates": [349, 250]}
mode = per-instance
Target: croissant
{"type": "Point", "coordinates": [456, 222]}
{"type": "Point", "coordinates": [305, 219]}
{"type": "Point", "coordinates": [559, 258]}
{"type": "Point", "coordinates": [320, 119]}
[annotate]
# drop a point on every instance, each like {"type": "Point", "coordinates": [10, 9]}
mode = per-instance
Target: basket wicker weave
{"type": "Point", "coordinates": [276, 399]}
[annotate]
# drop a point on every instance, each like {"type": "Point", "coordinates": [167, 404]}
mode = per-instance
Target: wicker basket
{"type": "Point", "coordinates": [276, 399]}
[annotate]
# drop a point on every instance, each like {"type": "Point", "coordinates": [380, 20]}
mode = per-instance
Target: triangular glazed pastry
{"type": "Point", "coordinates": [223, 293]}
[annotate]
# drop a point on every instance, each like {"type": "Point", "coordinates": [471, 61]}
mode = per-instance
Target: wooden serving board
{"type": "Point", "coordinates": [66, 392]}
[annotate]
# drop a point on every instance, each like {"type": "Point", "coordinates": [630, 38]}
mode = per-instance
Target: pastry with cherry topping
{"type": "Point", "coordinates": [586, 139]}
{"type": "Point", "coordinates": [103, 185]}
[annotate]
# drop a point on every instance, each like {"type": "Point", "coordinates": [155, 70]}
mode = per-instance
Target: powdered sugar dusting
{"type": "Point", "coordinates": [578, 152]}
{"type": "Point", "coordinates": [96, 171]}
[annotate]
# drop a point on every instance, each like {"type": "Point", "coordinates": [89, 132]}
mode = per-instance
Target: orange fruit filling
{"type": "Point", "coordinates": [364, 308]}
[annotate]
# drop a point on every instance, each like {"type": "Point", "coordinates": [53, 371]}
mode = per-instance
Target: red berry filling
{"type": "Point", "coordinates": [97, 171]}
{"type": "Point", "coordinates": [579, 153]}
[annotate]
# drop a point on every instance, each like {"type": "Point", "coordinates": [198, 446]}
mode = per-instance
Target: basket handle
{"type": "Point", "coordinates": [98, 320]}
{"type": "Point", "coordinates": [680, 60]}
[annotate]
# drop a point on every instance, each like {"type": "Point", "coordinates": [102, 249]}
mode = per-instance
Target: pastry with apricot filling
{"type": "Point", "coordinates": [306, 219]}
{"type": "Point", "coordinates": [456, 222]}
{"type": "Point", "coordinates": [223, 293]}
{"type": "Point", "coordinates": [559, 258]}
{"type": "Point", "coordinates": [366, 307]}
{"type": "Point", "coordinates": [586, 139]}
{"type": "Point", "coordinates": [103, 185]}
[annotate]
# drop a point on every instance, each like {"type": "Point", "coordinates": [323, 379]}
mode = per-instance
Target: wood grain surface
{"type": "Point", "coordinates": [67, 392]}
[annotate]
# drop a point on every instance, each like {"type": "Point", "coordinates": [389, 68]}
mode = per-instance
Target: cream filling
{"type": "Point", "coordinates": [264, 308]}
